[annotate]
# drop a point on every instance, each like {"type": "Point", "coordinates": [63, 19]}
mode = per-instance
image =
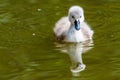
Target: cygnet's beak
{"type": "Point", "coordinates": [77, 24]}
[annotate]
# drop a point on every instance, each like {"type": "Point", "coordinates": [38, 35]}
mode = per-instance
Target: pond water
{"type": "Point", "coordinates": [28, 50]}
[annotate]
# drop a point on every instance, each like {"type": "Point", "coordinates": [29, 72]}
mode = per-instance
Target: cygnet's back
{"type": "Point", "coordinates": [61, 27]}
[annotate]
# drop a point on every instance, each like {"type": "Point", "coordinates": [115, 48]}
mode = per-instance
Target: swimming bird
{"type": "Point", "coordinates": [73, 28]}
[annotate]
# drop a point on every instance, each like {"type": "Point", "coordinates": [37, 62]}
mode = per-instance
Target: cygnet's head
{"type": "Point", "coordinates": [76, 16]}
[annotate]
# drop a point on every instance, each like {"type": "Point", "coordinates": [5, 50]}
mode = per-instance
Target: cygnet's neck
{"type": "Point", "coordinates": [74, 35]}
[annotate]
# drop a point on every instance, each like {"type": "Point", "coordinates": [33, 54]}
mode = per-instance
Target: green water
{"type": "Point", "coordinates": [28, 50]}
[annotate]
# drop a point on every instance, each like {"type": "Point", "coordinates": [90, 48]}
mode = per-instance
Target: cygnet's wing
{"type": "Point", "coordinates": [87, 31]}
{"type": "Point", "coordinates": [61, 27]}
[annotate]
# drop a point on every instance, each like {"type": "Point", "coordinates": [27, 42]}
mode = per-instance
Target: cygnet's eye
{"type": "Point", "coordinates": [72, 16]}
{"type": "Point", "coordinates": [80, 16]}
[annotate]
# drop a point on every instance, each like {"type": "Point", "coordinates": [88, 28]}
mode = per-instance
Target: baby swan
{"type": "Point", "coordinates": [73, 28]}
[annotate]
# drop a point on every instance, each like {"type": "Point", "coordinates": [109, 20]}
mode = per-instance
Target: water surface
{"type": "Point", "coordinates": [28, 50]}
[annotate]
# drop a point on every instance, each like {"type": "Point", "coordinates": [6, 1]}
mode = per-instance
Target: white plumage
{"type": "Point", "coordinates": [73, 28]}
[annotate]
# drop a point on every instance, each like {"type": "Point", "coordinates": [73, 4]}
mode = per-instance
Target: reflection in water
{"type": "Point", "coordinates": [75, 53]}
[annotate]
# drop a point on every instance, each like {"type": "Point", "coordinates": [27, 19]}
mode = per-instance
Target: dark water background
{"type": "Point", "coordinates": [27, 46]}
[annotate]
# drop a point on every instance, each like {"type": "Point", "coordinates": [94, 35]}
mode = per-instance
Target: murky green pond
{"type": "Point", "coordinates": [28, 50]}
